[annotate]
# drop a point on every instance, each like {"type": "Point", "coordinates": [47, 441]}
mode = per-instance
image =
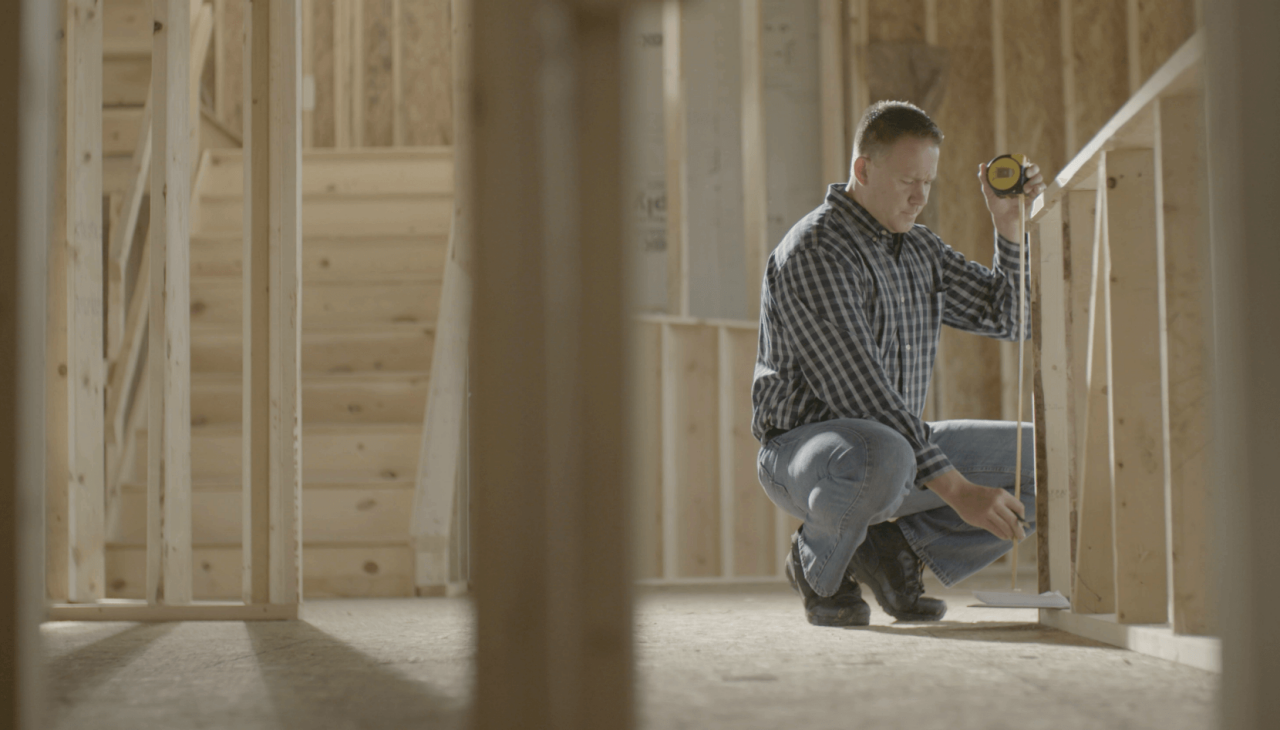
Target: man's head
{"type": "Point", "coordinates": [895, 161]}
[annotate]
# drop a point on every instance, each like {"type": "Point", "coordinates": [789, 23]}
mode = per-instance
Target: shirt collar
{"type": "Point", "coordinates": [862, 221]}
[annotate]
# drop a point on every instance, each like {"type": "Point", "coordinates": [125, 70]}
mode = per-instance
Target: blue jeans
{"type": "Point", "coordinates": [844, 475]}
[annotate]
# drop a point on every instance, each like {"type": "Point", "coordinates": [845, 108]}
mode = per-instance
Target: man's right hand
{"type": "Point", "coordinates": [992, 509]}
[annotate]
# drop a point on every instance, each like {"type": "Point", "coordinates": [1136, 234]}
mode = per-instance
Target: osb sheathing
{"type": "Point", "coordinates": [1035, 117]}
{"type": "Point", "coordinates": [970, 364]}
{"type": "Point", "coordinates": [1101, 60]}
{"type": "Point", "coordinates": [379, 93]}
{"type": "Point", "coordinates": [895, 20]}
{"type": "Point", "coordinates": [1163, 26]}
{"type": "Point", "coordinates": [426, 43]}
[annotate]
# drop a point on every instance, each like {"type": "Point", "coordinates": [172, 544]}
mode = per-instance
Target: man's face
{"type": "Point", "coordinates": [895, 186]}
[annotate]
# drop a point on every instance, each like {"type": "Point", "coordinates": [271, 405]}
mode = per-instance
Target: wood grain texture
{"type": "Point", "coordinates": [972, 387]}
{"type": "Point", "coordinates": [426, 73]}
{"type": "Point", "coordinates": [1163, 26]}
{"type": "Point", "coordinates": [691, 444]}
{"type": "Point", "coordinates": [753, 528]}
{"type": "Point", "coordinates": [231, 74]}
{"type": "Point", "coordinates": [377, 66]}
{"type": "Point", "coordinates": [646, 451]}
{"type": "Point", "coordinates": [1100, 54]}
{"type": "Point", "coordinates": [322, 118]}
{"type": "Point", "coordinates": [896, 20]}
{"type": "Point", "coordinates": [1182, 161]}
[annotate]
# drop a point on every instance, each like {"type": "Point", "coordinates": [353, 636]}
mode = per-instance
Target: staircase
{"type": "Point", "coordinates": [375, 232]}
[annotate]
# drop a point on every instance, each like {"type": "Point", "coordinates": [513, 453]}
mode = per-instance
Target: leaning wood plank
{"type": "Point", "coordinates": [1094, 582]}
{"type": "Point", "coordinates": [1079, 248]}
{"type": "Point", "coordinates": [1053, 478]}
{"type": "Point", "coordinates": [285, 59]}
{"type": "Point", "coordinates": [201, 38]}
{"type": "Point", "coordinates": [1139, 387]}
{"type": "Point", "coordinates": [438, 464]}
{"type": "Point", "coordinates": [754, 169]}
{"type": "Point", "coordinates": [675, 109]}
{"type": "Point", "coordinates": [255, 409]}
{"type": "Point", "coordinates": [120, 246]}
{"type": "Point", "coordinates": [169, 451]}
{"type": "Point", "coordinates": [441, 453]}
{"type": "Point", "coordinates": [86, 375]}
{"type": "Point", "coordinates": [1191, 442]}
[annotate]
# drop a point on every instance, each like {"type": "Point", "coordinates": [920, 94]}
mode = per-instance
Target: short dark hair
{"type": "Point", "coordinates": [886, 121]}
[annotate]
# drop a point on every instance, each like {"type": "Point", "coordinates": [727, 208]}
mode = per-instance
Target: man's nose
{"type": "Point", "coordinates": [919, 195]}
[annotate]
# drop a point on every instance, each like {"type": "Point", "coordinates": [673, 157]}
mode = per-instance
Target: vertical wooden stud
{"type": "Point", "coordinates": [308, 73]}
{"type": "Point", "coordinates": [1139, 394]}
{"type": "Point", "coordinates": [1191, 441]}
{"type": "Point", "coordinates": [356, 70]}
{"type": "Point", "coordinates": [1065, 26]}
{"type": "Point", "coordinates": [169, 424]}
{"type": "Point", "coordinates": [397, 78]}
{"type": "Point", "coordinates": [725, 423]}
{"type": "Point", "coordinates": [1133, 40]}
{"type": "Point", "coordinates": [754, 168]}
{"type": "Point", "coordinates": [1052, 473]}
{"type": "Point", "coordinates": [674, 112]}
{"type": "Point", "coordinates": [670, 475]}
{"type": "Point", "coordinates": [1094, 587]}
{"type": "Point", "coordinates": [57, 498]}
{"type": "Point", "coordinates": [342, 64]}
{"type": "Point", "coordinates": [835, 158]}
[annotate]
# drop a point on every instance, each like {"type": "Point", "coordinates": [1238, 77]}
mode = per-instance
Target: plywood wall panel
{"type": "Point", "coordinates": [377, 66]}
{"type": "Point", "coordinates": [895, 20]}
{"type": "Point", "coordinates": [1099, 50]}
{"type": "Point", "coordinates": [322, 64]}
{"type": "Point", "coordinates": [427, 74]}
{"type": "Point", "coordinates": [1163, 26]}
{"type": "Point", "coordinates": [972, 388]}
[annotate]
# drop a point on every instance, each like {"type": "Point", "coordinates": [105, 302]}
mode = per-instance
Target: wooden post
{"type": "Point", "coordinates": [169, 399]}
{"type": "Point", "coordinates": [674, 112]}
{"type": "Point", "coordinates": [1052, 471]}
{"type": "Point", "coordinates": [272, 389]}
{"type": "Point", "coordinates": [550, 429]}
{"type": "Point", "coordinates": [835, 157]}
{"type": "Point", "coordinates": [86, 374]}
{"type": "Point", "coordinates": [1139, 387]}
{"type": "Point", "coordinates": [442, 436]}
{"type": "Point", "coordinates": [1191, 441]}
{"type": "Point", "coordinates": [27, 138]}
{"type": "Point", "coordinates": [1242, 63]}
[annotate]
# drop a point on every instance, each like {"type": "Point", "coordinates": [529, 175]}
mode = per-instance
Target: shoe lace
{"type": "Point", "coordinates": [914, 576]}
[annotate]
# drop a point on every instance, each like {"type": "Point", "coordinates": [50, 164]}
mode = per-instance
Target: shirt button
{"type": "Point", "coordinates": [902, 300]}
{"type": "Point", "coordinates": [908, 347]}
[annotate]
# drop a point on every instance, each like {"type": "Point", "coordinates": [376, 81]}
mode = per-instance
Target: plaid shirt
{"type": "Point", "coordinates": [849, 322]}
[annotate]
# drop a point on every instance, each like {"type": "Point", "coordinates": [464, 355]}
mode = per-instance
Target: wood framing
{"type": "Point", "coordinates": [28, 135]}
{"type": "Point", "coordinates": [755, 198]}
{"type": "Point", "coordinates": [675, 110]}
{"type": "Point", "coordinates": [552, 596]}
{"type": "Point", "coordinates": [831, 81]}
{"type": "Point", "coordinates": [169, 398]}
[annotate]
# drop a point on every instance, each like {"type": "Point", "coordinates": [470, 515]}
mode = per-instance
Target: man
{"type": "Point", "coordinates": [852, 304]}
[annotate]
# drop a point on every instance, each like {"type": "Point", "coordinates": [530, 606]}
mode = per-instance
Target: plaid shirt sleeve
{"type": "Point", "coordinates": [981, 300]}
{"type": "Point", "coordinates": [821, 305]}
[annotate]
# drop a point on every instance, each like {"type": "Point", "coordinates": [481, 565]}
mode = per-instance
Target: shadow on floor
{"type": "Point", "coordinates": [314, 680]}
{"type": "Point", "coordinates": [998, 631]}
{"type": "Point", "coordinates": [81, 670]}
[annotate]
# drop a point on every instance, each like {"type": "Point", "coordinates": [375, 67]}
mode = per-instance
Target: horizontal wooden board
{"type": "Point", "coordinates": [328, 571]}
{"type": "Point", "coordinates": [326, 304]}
{"type": "Point", "coordinates": [125, 80]}
{"type": "Point", "coordinates": [330, 513]}
{"type": "Point", "coordinates": [343, 215]}
{"type": "Point", "coordinates": [330, 453]}
{"type": "Point", "coordinates": [325, 350]}
{"type": "Point", "coordinates": [421, 170]}
{"type": "Point", "coordinates": [325, 258]}
{"type": "Point", "coordinates": [370, 397]}
{"type": "Point", "coordinates": [120, 127]}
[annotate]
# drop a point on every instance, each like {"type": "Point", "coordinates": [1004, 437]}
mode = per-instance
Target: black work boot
{"type": "Point", "coordinates": [886, 563]}
{"type": "Point", "coordinates": [845, 608]}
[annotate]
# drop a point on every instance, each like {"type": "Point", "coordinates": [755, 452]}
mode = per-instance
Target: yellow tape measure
{"type": "Point", "coordinates": [1007, 174]}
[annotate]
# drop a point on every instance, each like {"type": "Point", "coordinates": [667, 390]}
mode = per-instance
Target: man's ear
{"type": "Point", "coordinates": [860, 170]}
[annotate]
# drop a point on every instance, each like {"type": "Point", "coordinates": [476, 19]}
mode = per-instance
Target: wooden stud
{"type": "Point", "coordinates": [256, 426]}
{"type": "Point", "coordinates": [675, 111]}
{"type": "Point", "coordinates": [571, 616]}
{"type": "Point", "coordinates": [725, 427]}
{"type": "Point", "coordinates": [169, 459]}
{"type": "Point", "coordinates": [1133, 40]}
{"type": "Point", "coordinates": [342, 64]}
{"type": "Point", "coordinates": [358, 101]}
{"type": "Point", "coordinates": [646, 463]}
{"type": "Point", "coordinates": [308, 73]}
{"type": "Point", "coordinates": [397, 76]}
{"type": "Point", "coordinates": [28, 138]}
{"type": "Point", "coordinates": [835, 158]}
{"type": "Point", "coordinates": [670, 435]}
{"type": "Point", "coordinates": [858, 37]}
{"type": "Point", "coordinates": [120, 246]}
{"type": "Point", "coordinates": [1068, 61]}
{"type": "Point", "coordinates": [86, 373]}
{"type": "Point", "coordinates": [1182, 163]}
{"type": "Point", "coordinates": [1094, 589]}
{"type": "Point", "coordinates": [1052, 473]}
{"type": "Point", "coordinates": [754, 167]}
{"type": "Point", "coordinates": [753, 514]}
{"type": "Point", "coordinates": [1079, 245]}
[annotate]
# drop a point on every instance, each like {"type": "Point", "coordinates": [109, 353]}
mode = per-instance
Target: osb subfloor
{"type": "Point", "coordinates": [741, 658]}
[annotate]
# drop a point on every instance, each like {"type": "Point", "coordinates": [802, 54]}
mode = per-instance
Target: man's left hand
{"type": "Point", "coordinates": [1004, 211]}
